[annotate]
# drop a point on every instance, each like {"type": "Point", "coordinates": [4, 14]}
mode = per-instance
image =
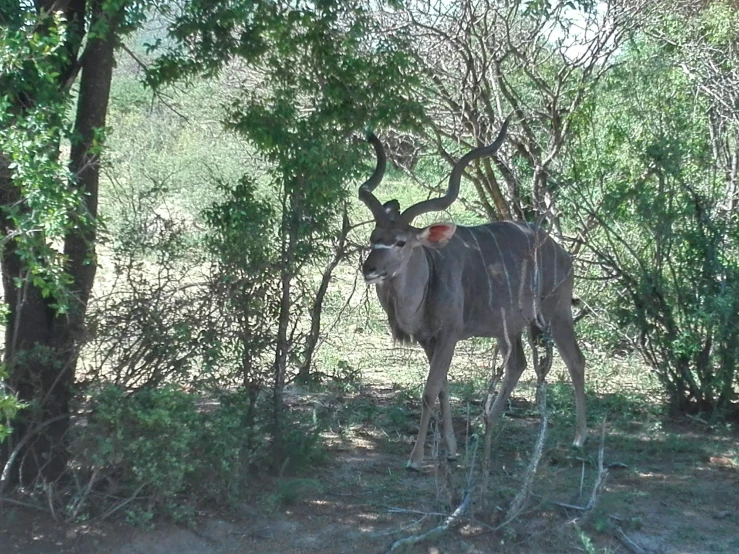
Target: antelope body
{"type": "Point", "coordinates": [446, 283]}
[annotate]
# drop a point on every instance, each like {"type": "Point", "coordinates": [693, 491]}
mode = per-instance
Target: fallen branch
{"type": "Point", "coordinates": [428, 514]}
{"type": "Point", "coordinates": [436, 532]}
{"type": "Point", "coordinates": [408, 526]}
{"type": "Point", "coordinates": [599, 481]}
{"type": "Point", "coordinates": [628, 543]}
{"type": "Point", "coordinates": [5, 499]}
{"type": "Point", "coordinates": [523, 494]}
{"type": "Point", "coordinates": [117, 507]}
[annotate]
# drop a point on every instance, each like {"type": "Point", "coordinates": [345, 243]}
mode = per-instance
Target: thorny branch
{"type": "Point", "coordinates": [157, 94]}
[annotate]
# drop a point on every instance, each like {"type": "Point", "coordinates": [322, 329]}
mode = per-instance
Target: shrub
{"type": "Point", "coordinates": [9, 405]}
{"type": "Point", "coordinates": [146, 327]}
{"type": "Point", "coordinates": [140, 446]}
{"type": "Point", "coordinates": [164, 452]}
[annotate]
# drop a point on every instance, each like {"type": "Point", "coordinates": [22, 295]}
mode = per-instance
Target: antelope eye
{"type": "Point", "coordinates": [400, 243]}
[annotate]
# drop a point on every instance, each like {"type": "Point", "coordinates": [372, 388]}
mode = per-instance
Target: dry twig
{"type": "Point", "coordinates": [628, 543]}
{"type": "Point", "coordinates": [523, 494]}
{"type": "Point", "coordinates": [401, 544]}
{"type": "Point", "coordinates": [14, 502]}
{"type": "Point", "coordinates": [599, 481]}
{"type": "Point", "coordinates": [5, 476]}
{"type": "Point", "coordinates": [488, 440]}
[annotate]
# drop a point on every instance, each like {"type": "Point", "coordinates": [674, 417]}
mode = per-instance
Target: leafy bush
{"type": "Point", "coordinates": [303, 447]}
{"type": "Point", "coordinates": [243, 282]}
{"type": "Point", "coordinates": [9, 405]}
{"type": "Point", "coordinates": [681, 295]}
{"type": "Point", "coordinates": [290, 491]}
{"type": "Point", "coordinates": [664, 233]}
{"type": "Point", "coordinates": [141, 446]}
{"type": "Point", "coordinates": [164, 452]}
{"type": "Point", "coordinates": [147, 325]}
{"type": "Point", "coordinates": [229, 447]}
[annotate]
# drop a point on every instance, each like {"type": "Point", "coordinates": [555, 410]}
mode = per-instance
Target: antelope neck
{"type": "Point", "coordinates": [407, 290]}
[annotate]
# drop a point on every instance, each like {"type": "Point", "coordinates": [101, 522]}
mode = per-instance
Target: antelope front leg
{"type": "Point", "coordinates": [435, 383]}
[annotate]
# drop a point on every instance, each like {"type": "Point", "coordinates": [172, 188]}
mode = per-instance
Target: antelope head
{"type": "Point", "coordinates": [394, 237]}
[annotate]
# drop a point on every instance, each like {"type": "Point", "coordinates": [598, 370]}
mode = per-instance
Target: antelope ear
{"type": "Point", "coordinates": [437, 235]}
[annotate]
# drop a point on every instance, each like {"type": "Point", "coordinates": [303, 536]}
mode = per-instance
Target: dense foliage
{"type": "Point", "coordinates": [654, 179]}
{"type": "Point", "coordinates": [51, 141]}
{"type": "Point", "coordinates": [313, 76]}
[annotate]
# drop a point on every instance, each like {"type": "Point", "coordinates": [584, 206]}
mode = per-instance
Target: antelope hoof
{"type": "Point", "coordinates": [413, 467]}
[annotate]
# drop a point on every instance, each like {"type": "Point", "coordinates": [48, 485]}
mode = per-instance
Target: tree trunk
{"type": "Point", "coordinates": [291, 211]}
{"type": "Point", "coordinates": [41, 346]}
{"type": "Point", "coordinates": [311, 341]}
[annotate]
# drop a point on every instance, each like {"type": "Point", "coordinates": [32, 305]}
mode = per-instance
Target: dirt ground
{"type": "Point", "coordinates": [673, 488]}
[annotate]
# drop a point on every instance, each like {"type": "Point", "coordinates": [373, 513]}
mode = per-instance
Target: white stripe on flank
{"type": "Point", "coordinates": [525, 229]}
{"type": "Point", "coordinates": [484, 268]}
{"type": "Point", "coordinates": [502, 261]}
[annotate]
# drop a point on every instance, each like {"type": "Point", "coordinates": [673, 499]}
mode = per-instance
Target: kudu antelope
{"type": "Point", "coordinates": [445, 283]}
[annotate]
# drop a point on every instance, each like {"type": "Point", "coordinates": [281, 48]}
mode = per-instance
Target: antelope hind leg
{"type": "Point", "coordinates": [563, 334]}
